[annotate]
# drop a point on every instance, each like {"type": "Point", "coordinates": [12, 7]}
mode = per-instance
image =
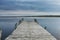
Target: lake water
{"type": "Point", "coordinates": [52, 24]}
{"type": "Point", "coordinates": [7, 26]}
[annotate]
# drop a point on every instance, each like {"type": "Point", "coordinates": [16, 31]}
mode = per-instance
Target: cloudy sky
{"type": "Point", "coordinates": [39, 5]}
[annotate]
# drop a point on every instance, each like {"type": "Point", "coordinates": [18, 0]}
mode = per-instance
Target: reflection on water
{"type": "Point", "coordinates": [52, 24]}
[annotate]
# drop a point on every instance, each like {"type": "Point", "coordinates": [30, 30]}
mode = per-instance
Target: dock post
{"type": "Point", "coordinates": [15, 25]}
{"type": "Point", "coordinates": [35, 20]}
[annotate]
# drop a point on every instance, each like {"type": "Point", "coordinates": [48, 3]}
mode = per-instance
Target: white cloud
{"type": "Point", "coordinates": [56, 2]}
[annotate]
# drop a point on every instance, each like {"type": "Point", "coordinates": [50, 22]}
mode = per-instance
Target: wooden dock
{"type": "Point", "coordinates": [30, 30]}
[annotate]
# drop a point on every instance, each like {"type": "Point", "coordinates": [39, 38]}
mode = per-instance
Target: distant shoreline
{"type": "Point", "coordinates": [28, 13]}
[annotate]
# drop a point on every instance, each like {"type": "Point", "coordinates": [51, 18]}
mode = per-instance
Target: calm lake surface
{"type": "Point", "coordinates": [52, 25]}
